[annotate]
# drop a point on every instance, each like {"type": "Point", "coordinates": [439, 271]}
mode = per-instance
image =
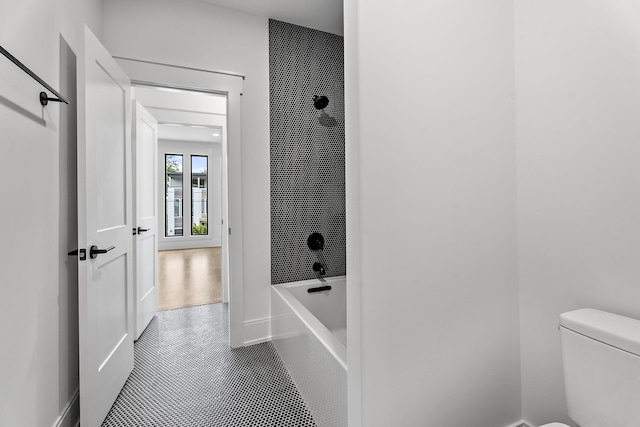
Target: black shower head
{"type": "Point", "coordinates": [315, 241]}
{"type": "Point", "coordinates": [320, 102]}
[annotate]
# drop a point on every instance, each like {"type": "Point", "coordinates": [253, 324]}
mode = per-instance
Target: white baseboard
{"type": "Point", "coordinates": [170, 244]}
{"type": "Point", "coordinates": [257, 331]}
{"type": "Point", "coordinates": [70, 416]}
{"type": "Point", "coordinates": [521, 423]}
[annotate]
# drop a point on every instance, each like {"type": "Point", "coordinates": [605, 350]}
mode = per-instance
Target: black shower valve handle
{"type": "Point", "coordinates": [320, 102]}
{"type": "Point", "coordinates": [319, 268]}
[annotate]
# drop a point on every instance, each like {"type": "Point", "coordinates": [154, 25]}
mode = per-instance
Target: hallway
{"type": "Point", "coordinates": [189, 277]}
{"type": "Point", "coordinates": [186, 374]}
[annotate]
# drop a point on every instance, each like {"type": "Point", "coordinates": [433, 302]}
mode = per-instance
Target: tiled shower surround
{"type": "Point", "coordinates": [307, 151]}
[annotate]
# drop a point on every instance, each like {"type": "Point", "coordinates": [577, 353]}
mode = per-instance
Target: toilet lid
{"type": "Point", "coordinates": [554, 425]}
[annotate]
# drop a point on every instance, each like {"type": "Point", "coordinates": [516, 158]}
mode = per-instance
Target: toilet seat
{"type": "Point", "coordinates": [554, 425]}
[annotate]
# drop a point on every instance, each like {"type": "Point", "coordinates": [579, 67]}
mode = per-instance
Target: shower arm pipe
{"type": "Point", "coordinates": [44, 99]}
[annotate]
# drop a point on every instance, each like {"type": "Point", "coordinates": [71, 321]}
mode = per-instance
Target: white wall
{"type": "Point", "coordinates": [199, 35]}
{"type": "Point", "coordinates": [578, 127]}
{"type": "Point", "coordinates": [437, 236]}
{"type": "Point", "coordinates": [38, 309]}
{"type": "Point", "coordinates": [187, 149]}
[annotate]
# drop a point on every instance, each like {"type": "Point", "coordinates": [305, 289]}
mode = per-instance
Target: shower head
{"type": "Point", "coordinates": [315, 241]}
{"type": "Point", "coordinates": [320, 102]}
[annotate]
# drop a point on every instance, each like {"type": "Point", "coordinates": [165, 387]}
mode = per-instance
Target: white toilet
{"type": "Point", "coordinates": [601, 358]}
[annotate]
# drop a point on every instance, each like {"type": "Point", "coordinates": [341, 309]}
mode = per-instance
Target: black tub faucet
{"type": "Point", "coordinates": [315, 241]}
{"type": "Point", "coordinates": [319, 268]}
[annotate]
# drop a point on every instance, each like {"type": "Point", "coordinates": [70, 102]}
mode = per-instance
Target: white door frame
{"type": "Point", "coordinates": [231, 85]}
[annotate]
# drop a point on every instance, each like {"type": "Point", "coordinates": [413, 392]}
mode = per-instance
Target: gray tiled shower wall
{"type": "Point", "coordinates": [307, 151]}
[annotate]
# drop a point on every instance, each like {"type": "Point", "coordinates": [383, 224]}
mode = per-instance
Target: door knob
{"type": "Point", "coordinates": [94, 251]}
{"type": "Point", "coordinates": [142, 230]}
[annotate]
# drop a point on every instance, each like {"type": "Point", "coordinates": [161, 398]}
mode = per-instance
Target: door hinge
{"type": "Point", "coordinates": [229, 231]}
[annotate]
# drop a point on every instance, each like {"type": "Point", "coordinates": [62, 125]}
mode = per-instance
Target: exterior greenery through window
{"type": "Point", "coordinates": [199, 195]}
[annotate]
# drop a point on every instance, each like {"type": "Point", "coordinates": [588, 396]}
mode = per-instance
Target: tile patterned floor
{"type": "Point", "coordinates": [187, 375]}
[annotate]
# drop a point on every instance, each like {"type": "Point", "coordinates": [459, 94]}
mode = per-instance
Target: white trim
{"type": "Point", "coordinates": [168, 75]}
{"type": "Point", "coordinates": [64, 420]}
{"type": "Point", "coordinates": [521, 423]}
{"type": "Point", "coordinates": [257, 331]}
{"type": "Point", "coordinates": [228, 73]}
{"type": "Point", "coordinates": [188, 244]}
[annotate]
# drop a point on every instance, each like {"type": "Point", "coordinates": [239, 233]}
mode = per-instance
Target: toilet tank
{"type": "Point", "coordinates": [601, 361]}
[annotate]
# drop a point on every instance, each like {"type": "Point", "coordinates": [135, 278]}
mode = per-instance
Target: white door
{"type": "Point", "coordinates": [105, 292]}
{"type": "Point", "coordinates": [224, 204]}
{"type": "Point", "coordinates": [145, 239]}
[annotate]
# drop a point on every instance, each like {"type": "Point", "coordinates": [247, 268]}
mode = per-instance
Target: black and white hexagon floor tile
{"type": "Point", "coordinates": [186, 374]}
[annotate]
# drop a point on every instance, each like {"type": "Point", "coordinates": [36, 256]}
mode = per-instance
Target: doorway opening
{"type": "Point", "coordinates": [152, 74]}
{"type": "Point", "coordinates": [191, 149]}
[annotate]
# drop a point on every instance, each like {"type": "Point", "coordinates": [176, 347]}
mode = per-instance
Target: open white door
{"type": "Point", "coordinates": [145, 240]}
{"type": "Point", "coordinates": [224, 202]}
{"type": "Point", "coordinates": [105, 292]}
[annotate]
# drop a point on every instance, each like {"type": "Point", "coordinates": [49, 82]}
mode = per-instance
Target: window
{"type": "Point", "coordinates": [199, 205]}
{"type": "Point", "coordinates": [173, 195]}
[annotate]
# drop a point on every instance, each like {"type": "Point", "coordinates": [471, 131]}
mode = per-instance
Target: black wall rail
{"type": "Point", "coordinates": [44, 99]}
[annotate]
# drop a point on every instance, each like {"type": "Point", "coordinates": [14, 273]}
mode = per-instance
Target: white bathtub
{"type": "Point", "coordinates": [309, 332]}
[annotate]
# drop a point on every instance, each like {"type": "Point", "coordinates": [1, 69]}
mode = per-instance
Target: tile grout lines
{"type": "Point", "coordinates": [187, 375]}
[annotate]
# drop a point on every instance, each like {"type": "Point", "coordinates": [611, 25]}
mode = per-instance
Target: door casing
{"type": "Point", "coordinates": [147, 73]}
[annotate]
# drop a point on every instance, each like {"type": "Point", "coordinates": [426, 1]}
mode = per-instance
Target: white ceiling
{"type": "Point", "coordinates": [181, 100]}
{"type": "Point", "coordinates": [190, 133]}
{"type": "Point", "coordinates": [324, 15]}
{"type": "Point", "coordinates": [186, 116]}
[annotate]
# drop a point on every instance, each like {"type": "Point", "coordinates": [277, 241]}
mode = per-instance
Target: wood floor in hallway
{"type": "Point", "coordinates": [189, 277]}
